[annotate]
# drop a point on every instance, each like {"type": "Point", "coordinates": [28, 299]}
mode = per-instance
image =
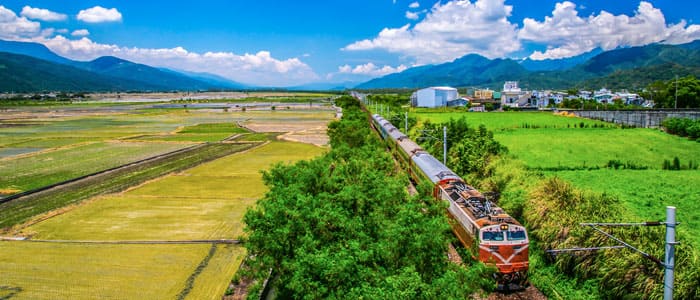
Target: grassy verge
{"type": "Point", "coordinates": [15, 212]}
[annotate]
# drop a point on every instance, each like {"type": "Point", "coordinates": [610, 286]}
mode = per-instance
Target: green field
{"type": "Point", "coordinates": [21, 210]}
{"type": "Point", "coordinates": [552, 143]}
{"type": "Point", "coordinates": [207, 132]}
{"type": "Point", "coordinates": [646, 193]}
{"type": "Point", "coordinates": [543, 145]}
{"type": "Point", "coordinates": [43, 169]}
{"type": "Point", "coordinates": [497, 121]}
{"type": "Point", "coordinates": [38, 148]}
{"type": "Point", "coordinates": [205, 202]}
{"type": "Point", "coordinates": [590, 147]}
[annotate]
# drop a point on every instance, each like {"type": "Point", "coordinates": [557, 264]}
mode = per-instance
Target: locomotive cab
{"type": "Point", "coordinates": [505, 246]}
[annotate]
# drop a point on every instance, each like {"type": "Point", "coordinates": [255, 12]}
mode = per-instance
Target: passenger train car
{"type": "Point", "coordinates": [479, 224]}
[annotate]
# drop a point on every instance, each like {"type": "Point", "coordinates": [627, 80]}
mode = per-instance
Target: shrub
{"type": "Point", "coordinates": [682, 127]}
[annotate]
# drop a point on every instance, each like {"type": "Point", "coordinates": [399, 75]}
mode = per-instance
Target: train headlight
{"type": "Point", "coordinates": [504, 227]}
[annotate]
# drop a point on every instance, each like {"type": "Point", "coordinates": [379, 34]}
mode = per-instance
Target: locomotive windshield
{"type": "Point", "coordinates": [492, 236]}
{"type": "Point", "coordinates": [516, 235]}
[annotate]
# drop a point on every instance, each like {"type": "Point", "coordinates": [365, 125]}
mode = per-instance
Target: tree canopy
{"type": "Point", "coordinates": [344, 226]}
{"type": "Point", "coordinates": [664, 93]}
{"type": "Point", "coordinates": [468, 149]}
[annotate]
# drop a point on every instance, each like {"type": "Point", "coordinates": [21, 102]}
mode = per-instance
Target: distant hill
{"type": "Point", "coordinates": [133, 76]}
{"type": "Point", "coordinates": [21, 73]}
{"type": "Point", "coordinates": [34, 50]}
{"type": "Point", "coordinates": [558, 64]}
{"type": "Point", "coordinates": [324, 86]}
{"type": "Point", "coordinates": [212, 79]}
{"type": "Point", "coordinates": [620, 68]}
{"type": "Point", "coordinates": [468, 70]}
{"type": "Point", "coordinates": [120, 68]}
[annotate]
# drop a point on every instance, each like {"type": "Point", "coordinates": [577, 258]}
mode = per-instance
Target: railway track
{"type": "Point", "coordinates": [530, 293]}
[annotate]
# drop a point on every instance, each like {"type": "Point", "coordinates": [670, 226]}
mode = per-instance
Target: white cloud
{"type": "Point", "coordinates": [414, 5]}
{"type": "Point", "coordinates": [42, 14]}
{"type": "Point", "coordinates": [99, 14]}
{"type": "Point", "coordinates": [13, 27]}
{"type": "Point", "coordinates": [566, 34]}
{"type": "Point", "coordinates": [411, 15]}
{"type": "Point", "coordinates": [449, 31]}
{"type": "Point", "coordinates": [80, 32]}
{"type": "Point", "coordinates": [370, 69]}
{"type": "Point", "coordinates": [259, 68]}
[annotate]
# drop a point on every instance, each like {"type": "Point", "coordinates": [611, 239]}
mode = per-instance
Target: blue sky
{"type": "Point", "coordinates": [284, 43]}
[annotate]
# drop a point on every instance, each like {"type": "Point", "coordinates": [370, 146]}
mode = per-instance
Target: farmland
{"type": "Point", "coordinates": [39, 147]}
{"type": "Point", "coordinates": [203, 202]}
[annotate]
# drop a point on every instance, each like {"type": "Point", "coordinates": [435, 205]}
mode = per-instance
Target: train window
{"type": "Point", "coordinates": [492, 236]}
{"type": "Point", "coordinates": [516, 235]}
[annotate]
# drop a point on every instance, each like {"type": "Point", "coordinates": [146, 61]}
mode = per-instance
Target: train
{"type": "Point", "coordinates": [491, 234]}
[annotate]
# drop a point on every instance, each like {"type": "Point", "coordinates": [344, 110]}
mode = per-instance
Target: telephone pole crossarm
{"type": "Point", "coordinates": [649, 223]}
{"type": "Point", "coordinates": [669, 258]}
{"type": "Point", "coordinates": [557, 251]}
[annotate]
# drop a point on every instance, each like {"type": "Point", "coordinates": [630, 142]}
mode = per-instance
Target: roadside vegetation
{"type": "Point", "coordinates": [344, 226]}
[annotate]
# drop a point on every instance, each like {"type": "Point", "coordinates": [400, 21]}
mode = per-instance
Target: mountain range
{"type": "Point", "coordinates": [632, 67]}
{"type": "Point", "coordinates": [31, 67]}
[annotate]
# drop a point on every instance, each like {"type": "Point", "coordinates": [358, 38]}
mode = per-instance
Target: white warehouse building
{"type": "Point", "coordinates": [433, 96]}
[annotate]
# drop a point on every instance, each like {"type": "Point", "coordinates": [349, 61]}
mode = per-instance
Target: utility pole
{"type": "Point", "coordinates": [675, 105]}
{"type": "Point", "coordinates": [444, 145]}
{"type": "Point", "coordinates": [405, 124]}
{"type": "Point", "coordinates": [669, 259]}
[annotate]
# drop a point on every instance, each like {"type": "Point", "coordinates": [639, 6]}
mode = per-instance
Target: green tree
{"type": "Point", "coordinates": [688, 89]}
{"type": "Point", "coordinates": [344, 226]}
{"type": "Point", "coordinates": [468, 150]}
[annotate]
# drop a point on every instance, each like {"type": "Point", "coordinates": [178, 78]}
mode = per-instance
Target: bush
{"type": "Point", "coordinates": [682, 127]}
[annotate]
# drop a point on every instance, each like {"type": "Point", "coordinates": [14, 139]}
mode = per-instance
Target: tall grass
{"type": "Point", "coordinates": [553, 213]}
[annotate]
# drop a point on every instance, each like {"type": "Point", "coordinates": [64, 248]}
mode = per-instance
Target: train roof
{"type": "Point", "coordinates": [433, 168]}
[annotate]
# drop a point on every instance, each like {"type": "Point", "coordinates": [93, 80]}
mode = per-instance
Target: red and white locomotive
{"type": "Point", "coordinates": [478, 223]}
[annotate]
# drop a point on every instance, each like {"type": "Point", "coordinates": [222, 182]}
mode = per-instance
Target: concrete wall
{"type": "Point", "coordinates": [637, 118]}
